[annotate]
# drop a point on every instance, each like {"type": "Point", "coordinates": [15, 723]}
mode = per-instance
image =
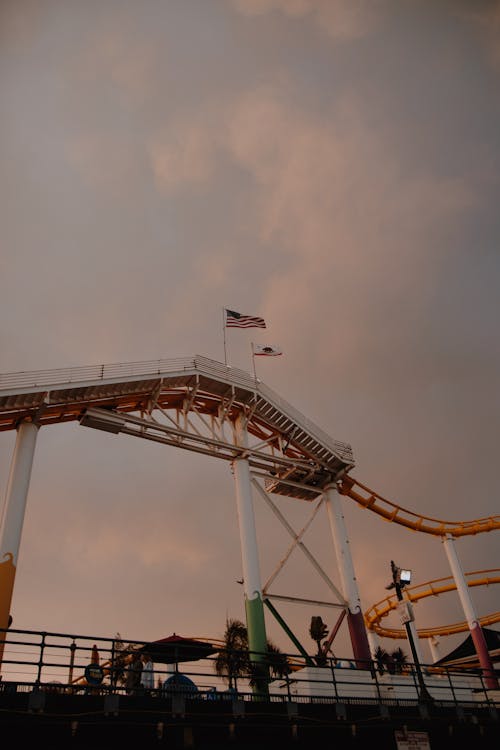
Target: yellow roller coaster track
{"type": "Point", "coordinates": [367, 498]}
{"type": "Point", "coordinates": [377, 612]}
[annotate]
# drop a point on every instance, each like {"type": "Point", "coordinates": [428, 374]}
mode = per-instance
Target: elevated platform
{"type": "Point", "coordinates": [306, 457]}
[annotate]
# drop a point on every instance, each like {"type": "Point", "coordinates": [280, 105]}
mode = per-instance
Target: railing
{"type": "Point", "coordinates": [72, 376]}
{"type": "Point", "coordinates": [77, 664]}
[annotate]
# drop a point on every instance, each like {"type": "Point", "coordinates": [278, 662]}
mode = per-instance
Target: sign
{"type": "Point", "coordinates": [94, 674]}
{"type": "Point", "coordinates": [411, 740]}
{"type": "Point", "coordinates": [405, 612]}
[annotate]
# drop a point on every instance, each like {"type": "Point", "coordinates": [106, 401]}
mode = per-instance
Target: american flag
{"type": "Point", "coordinates": [237, 320]}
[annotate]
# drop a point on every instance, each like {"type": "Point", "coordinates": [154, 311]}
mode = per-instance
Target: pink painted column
{"type": "Point", "coordinates": [476, 631]}
{"type": "Point", "coordinates": [355, 619]}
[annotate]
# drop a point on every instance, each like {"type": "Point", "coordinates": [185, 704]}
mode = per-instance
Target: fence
{"type": "Point", "coordinates": [78, 664]}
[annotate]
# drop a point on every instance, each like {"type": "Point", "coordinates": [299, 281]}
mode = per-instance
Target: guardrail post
{"type": "Point", "coordinates": [40, 660]}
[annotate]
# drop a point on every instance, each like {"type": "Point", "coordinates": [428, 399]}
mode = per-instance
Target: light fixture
{"type": "Point", "coordinates": [404, 575]}
{"type": "Point", "coordinates": [103, 419]}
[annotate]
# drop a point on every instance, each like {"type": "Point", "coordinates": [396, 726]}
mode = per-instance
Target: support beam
{"type": "Point", "coordinates": [434, 647]}
{"type": "Point", "coordinates": [355, 620]}
{"type": "Point", "coordinates": [15, 506]}
{"type": "Point", "coordinates": [300, 648]}
{"type": "Point", "coordinates": [373, 641]}
{"type": "Point", "coordinates": [257, 640]}
{"type": "Point", "coordinates": [300, 545]}
{"type": "Point", "coordinates": [490, 680]}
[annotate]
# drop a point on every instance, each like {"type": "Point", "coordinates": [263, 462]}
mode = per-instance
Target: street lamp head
{"type": "Point", "coordinates": [404, 576]}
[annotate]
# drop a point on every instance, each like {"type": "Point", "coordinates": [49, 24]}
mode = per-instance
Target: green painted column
{"type": "Point", "coordinates": [254, 608]}
{"type": "Point", "coordinates": [256, 627]}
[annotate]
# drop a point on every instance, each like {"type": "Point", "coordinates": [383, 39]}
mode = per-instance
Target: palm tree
{"type": "Point", "coordinates": [279, 665]}
{"type": "Point", "coordinates": [318, 630]}
{"type": "Point", "coordinates": [382, 659]}
{"type": "Point", "coordinates": [233, 660]}
{"type": "Point", "coordinates": [400, 660]}
{"type": "Point", "coordinates": [394, 662]}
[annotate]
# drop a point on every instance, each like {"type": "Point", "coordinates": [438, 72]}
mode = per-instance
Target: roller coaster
{"type": "Point", "coordinates": [377, 612]}
{"type": "Point", "coordinates": [394, 513]}
{"type": "Point", "coordinates": [197, 404]}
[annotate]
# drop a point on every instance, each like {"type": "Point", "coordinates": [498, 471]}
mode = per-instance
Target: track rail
{"type": "Point", "coordinates": [376, 613]}
{"type": "Point", "coordinates": [394, 513]}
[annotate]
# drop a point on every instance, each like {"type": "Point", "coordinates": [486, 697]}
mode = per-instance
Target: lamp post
{"type": "Point", "coordinates": [400, 577]}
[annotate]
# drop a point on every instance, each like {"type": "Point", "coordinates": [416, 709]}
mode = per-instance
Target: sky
{"type": "Point", "coordinates": [330, 166]}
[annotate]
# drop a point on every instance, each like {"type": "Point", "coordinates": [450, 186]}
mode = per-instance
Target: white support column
{"type": "Point", "coordinates": [15, 506]}
{"type": "Point", "coordinates": [342, 548]}
{"type": "Point", "coordinates": [476, 631]}
{"type": "Point", "coordinates": [249, 550]}
{"type": "Point", "coordinates": [374, 641]}
{"type": "Point", "coordinates": [460, 582]}
{"type": "Point", "coordinates": [357, 630]}
{"type": "Point", "coordinates": [434, 647]}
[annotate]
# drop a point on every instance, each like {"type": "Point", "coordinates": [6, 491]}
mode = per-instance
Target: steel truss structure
{"type": "Point", "coordinates": [195, 404]}
{"type": "Point", "coordinates": [201, 405]}
{"type": "Point", "coordinates": [190, 403]}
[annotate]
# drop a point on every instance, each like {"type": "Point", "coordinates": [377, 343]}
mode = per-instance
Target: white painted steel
{"type": "Point", "coordinates": [373, 642]}
{"type": "Point", "coordinates": [460, 582]}
{"type": "Point", "coordinates": [17, 490]}
{"type": "Point", "coordinates": [246, 520]}
{"type": "Point", "coordinates": [87, 385]}
{"type": "Point", "coordinates": [491, 680]}
{"type": "Point", "coordinates": [342, 548]}
{"type": "Point", "coordinates": [300, 544]}
{"type": "Point", "coordinates": [434, 646]}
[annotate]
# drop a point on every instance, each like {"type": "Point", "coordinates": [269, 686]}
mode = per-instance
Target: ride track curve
{"type": "Point", "coordinates": [367, 498]}
{"type": "Point", "coordinates": [416, 522]}
{"type": "Point", "coordinates": [377, 612]}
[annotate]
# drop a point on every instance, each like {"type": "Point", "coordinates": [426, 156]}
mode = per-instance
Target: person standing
{"type": "Point", "coordinates": [147, 676]}
{"type": "Point", "coordinates": [134, 674]}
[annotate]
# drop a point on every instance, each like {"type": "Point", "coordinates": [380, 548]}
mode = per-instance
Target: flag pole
{"type": "Point", "coordinates": [224, 334]}
{"type": "Point", "coordinates": [253, 362]}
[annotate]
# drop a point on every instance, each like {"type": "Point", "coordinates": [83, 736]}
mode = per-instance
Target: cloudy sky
{"type": "Point", "coordinates": [330, 166]}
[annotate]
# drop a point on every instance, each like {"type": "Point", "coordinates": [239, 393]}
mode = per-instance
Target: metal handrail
{"type": "Point", "coordinates": [79, 376]}
{"type": "Point", "coordinates": [49, 661]}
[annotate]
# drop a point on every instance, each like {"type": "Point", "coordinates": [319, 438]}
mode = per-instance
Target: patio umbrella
{"type": "Point", "coordinates": [175, 648]}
